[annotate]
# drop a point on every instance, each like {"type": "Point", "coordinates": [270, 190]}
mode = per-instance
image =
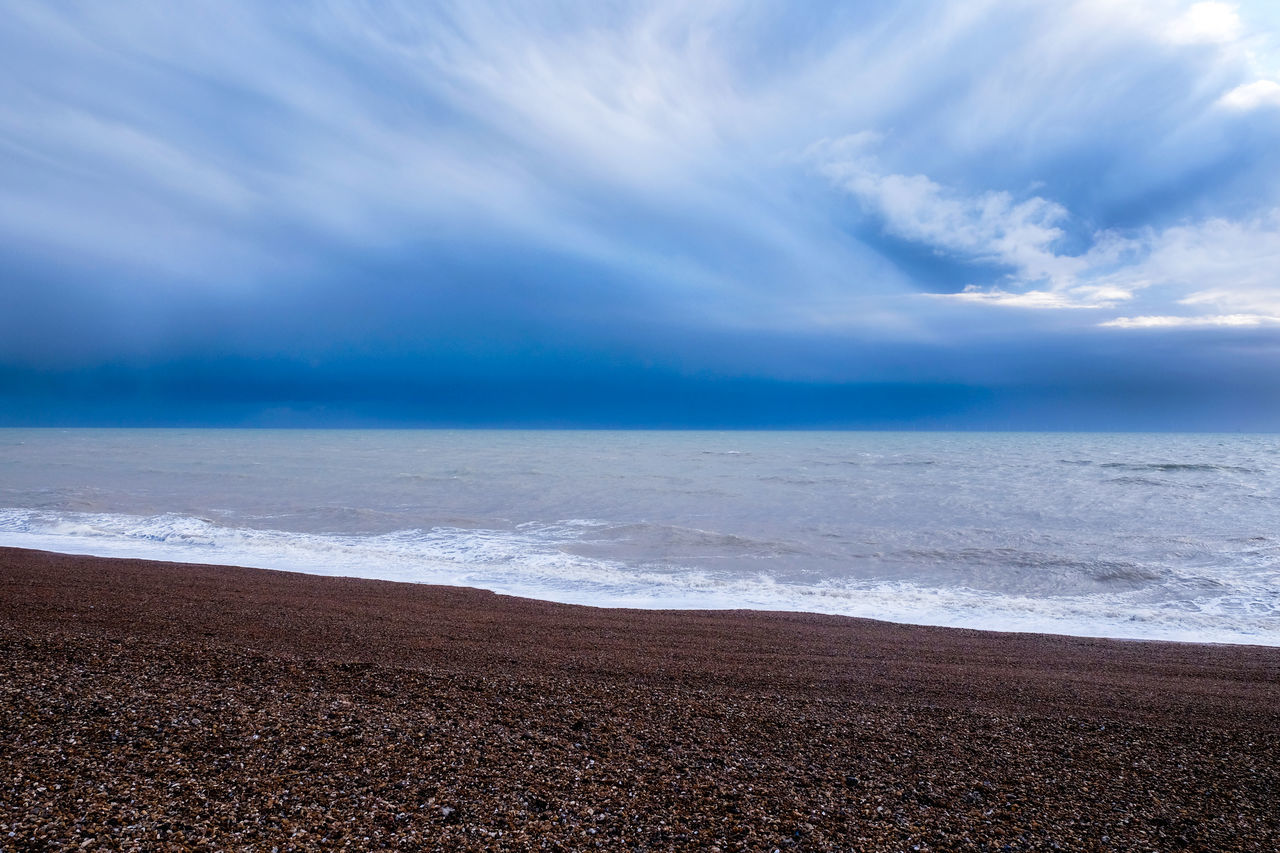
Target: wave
{"type": "Point", "coordinates": [1177, 466]}
{"type": "Point", "coordinates": [1141, 481]}
{"type": "Point", "coordinates": [539, 561]}
{"type": "Point", "coordinates": [690, 540]}
{"type": "Point", "coordinates": [1040, 573]}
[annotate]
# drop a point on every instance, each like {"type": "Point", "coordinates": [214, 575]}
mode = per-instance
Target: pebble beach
{"type": "Point", "coordinates": [164, 706]}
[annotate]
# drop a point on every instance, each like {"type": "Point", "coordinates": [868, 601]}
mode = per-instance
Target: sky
{"type": "Point", "coordinates": [979, 215]}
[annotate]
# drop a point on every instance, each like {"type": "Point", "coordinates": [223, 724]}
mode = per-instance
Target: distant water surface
{"type": "Point", "coordinates": [1142, 536]}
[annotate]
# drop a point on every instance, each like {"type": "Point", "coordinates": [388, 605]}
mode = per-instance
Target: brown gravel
{"type": "Point", "coordinates": [156, 706]}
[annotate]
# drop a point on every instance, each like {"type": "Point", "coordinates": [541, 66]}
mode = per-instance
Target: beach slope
{"type": "Point", "coordinates": [148, 705]}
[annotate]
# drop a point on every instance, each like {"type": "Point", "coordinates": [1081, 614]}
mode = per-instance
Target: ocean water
{"type": "Point", "coordinates": [1140, 536]}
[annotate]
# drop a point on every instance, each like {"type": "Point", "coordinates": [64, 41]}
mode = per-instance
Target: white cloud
{"type": "Point", "coordinates": [1228, 269]}
{"type": "Point", "coordinates": [1242, 46]}
{"type": "Point", "coordinates": [991, 226]}
{"type": "Point", "coordinates": [1033, 298]}
{"type": "Point", "coordinates": [1205, 23]}
{"type": "Point", "coordinates": [1225, 266]}
{"type": "Point", "coordinates": [1250, 96]}
{"type": "Point", "coordinates": [1209, 321]}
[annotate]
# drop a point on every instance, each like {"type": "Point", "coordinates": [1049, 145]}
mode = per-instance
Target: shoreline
{"type": "Point", "coordinates": [236, 707]}
{"type": "Point", "coordinates": [1240, 639]}
{"type": "Point", "coordinates": [179, 565]}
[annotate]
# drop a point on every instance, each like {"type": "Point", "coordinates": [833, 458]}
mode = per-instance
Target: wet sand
{"type": "Point", "coordinates": [148, 706]}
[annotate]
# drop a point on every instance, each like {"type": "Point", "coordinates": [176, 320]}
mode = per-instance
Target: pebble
{"type": "Point", "coordinates": [254, 718]}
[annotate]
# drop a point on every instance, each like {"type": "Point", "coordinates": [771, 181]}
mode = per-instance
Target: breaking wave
{"type": "Point", "coordinates": [545, 561]}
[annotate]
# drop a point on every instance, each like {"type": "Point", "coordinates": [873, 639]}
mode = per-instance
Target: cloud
{"type": "Point", "coordinates": [1222, 265]}
{"type": "Point", "coordinates": [1250, 96]}
{"type": "Point", "coordinates": [1216, 263]}
{"type": "Point", "coordinates": [1205, 23]}
{"type": "Point", "coordinates": [990, 227]}
{"type": "Point", "coordinates": [622, 139]}
{"type": "Point", "coordinates": [1229, 269]}
{"type": "Point", "coordinates": [463, 183]}
{"type": "Point", "coordinates": [1207, 321]}
{"type": "Point", "coordinates": [1082, 297]}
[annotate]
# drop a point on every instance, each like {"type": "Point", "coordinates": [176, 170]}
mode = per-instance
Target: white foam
{"type": "Point", "coordinates": [531, 560]}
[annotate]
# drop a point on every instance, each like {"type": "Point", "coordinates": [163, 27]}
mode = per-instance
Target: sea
{"type": "Point", "coordinates": [1142, 536]}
